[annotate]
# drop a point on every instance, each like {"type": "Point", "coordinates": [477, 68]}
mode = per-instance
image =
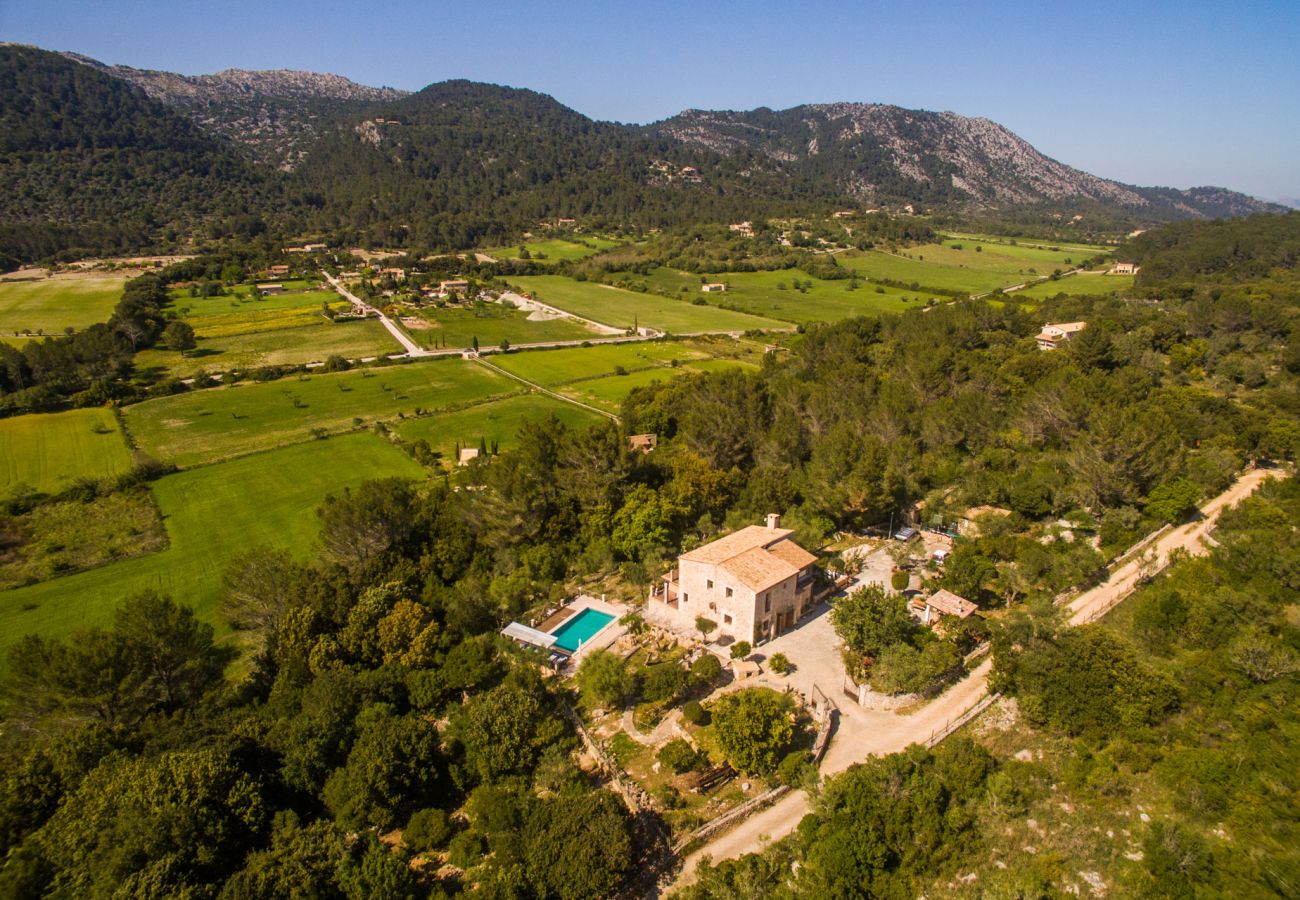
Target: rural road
{"type": "Point", "coordinates": [412, 348]}
{"type": "Point", "coordinates": [863, 733]}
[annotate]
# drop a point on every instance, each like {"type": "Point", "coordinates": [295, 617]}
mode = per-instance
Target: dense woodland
{"type": "Point", "coordinates": [373, 693]}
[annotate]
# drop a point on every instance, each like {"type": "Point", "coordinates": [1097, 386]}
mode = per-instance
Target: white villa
{"type": "Point", "coordinates": [1055, 334]}
{"type": "Point", "coordinates": [755, 584]}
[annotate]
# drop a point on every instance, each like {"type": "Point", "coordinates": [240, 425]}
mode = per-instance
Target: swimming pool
{"type": "Point", "coordinates": [577, 630]}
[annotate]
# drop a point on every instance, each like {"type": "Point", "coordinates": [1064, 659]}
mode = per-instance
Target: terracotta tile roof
{"type": "Point", "coordinates": [757, 557]}
{"type": "Point", "coordinates": [758, 569]}
{"type": "Point", "coordinates": [736, 543]}
{"type": "Point", "coordinates": [948, 603]}
{"type": "Point", "coordinates": [792, 553]}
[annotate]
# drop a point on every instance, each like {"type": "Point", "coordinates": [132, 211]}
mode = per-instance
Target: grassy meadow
{"type": "Point", "coordinates": [556, 249]}
{"type": "Point", "coordinates": [552, 367]}
{"type": "Point", "coordinates": [204, 426]}
{"type": "Point", "coordinates": [51, 305]}
{"type": "Point", "coordinates": [212, 515]}
{"type": "Point", "coordinates": [944, 267]}
{"type": "Point", "coordinates": [352, 339]}
{"type": "Point", "coordinates": [771, 294]}
{"type": "Point", "coordinates": [51, 451]}
{"type": "Point", "coordinates": [498, 420]}
{"type": "Point", "coordinates": [622, 309]}
{"type": "Point", "coordinates": [491, 324]}
{"type": "Point", "coordinates": [608, 393]}
{"type": "Point", "coordinates": [1078, 286]}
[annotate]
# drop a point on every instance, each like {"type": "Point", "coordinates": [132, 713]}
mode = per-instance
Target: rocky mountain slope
{"type": "Point", "coordinates": [276, 113]}
{"type": "Point", "coordinates": [878, 153]}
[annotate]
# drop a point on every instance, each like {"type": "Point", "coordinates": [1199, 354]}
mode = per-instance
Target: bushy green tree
{"type": "Point", "coordinates": [754, 728]}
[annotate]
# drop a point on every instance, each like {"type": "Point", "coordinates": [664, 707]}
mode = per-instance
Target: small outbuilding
{"type": "Point", "coordinates": [716, 287]}
{"type": "Point", "coordinates": [941, 603]}
{"type": "Point", "coordinates": [643, 442]}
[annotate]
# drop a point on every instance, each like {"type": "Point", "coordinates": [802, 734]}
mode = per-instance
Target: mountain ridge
{"type": "Point", "coordinates": [882, 153]}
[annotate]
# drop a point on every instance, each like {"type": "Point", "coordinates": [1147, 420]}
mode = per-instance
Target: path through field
{"type": "Point", "coordinates": [412, 348]}
{"type": "Point", "coordinates": [862, 733]}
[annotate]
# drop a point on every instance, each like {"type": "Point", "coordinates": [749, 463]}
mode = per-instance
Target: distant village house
{"type": "Point", "coordinates": [268, 289]}
{"type": "Point", "coordinates": [467, 454]}
{"type": "Point", "coordinates": [1125, 269]}
{"type": "Point", "coordinates": [643, 442]}
{"type": "Point", "coordinates": [1054, 335]}
{"type": "Point", "coordinates": [714, 288]}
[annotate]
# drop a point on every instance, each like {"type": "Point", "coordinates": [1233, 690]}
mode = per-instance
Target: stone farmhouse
{"type": "Point", "coordinates": [754, 584]}
{"type": "Point", "coordinates": [1055, 334]}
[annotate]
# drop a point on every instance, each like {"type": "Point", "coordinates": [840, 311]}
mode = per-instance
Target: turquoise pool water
{"type": "Point", "coordinates": [580, 628]}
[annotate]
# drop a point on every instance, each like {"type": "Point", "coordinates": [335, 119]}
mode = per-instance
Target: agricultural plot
{"type": "Point", "coordinates": [773, 295]}
{"type": "Point", "coordinates": [1082, 285]}
{"type": "Point", "coordinates": [352, 339]}
{"type": "Point", "coordinates": [609, 392]}
{"type": "Point", "coordinates": [51, 451]}
{"type": "Point", "coordinates": [552, 367]}
{"type": "Point", "coordinates": [50, 305]}
{"type": "Point", "coordinates": [557, 249]}
{"type": "Point", "coordinates": [495, 422]}
{"type": "Point", "coordinates": [1075, 248]}
{"type": "Point", "coordinates": [212, 515]}
{"type": "Point", "coordinates": [205, 426]}
{"type": "Point", "coordinates": [491, 323]}
{"type": "Point", "coordinates": [623, 309]}
{"type": "Point", "coordinates": [239, 314]}
{"type": "Point", "coordinates": [943, 267]}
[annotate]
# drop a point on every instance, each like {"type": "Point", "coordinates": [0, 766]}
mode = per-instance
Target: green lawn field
{"type": "Point", "coordinates": [552, 367]}
{"type": "Point", "coordinates": [53, 304]}
{"type": "Point", "coordinates": [1078, 286]}
{"type": "Point", "coordinates": [353, 339]}
{"type": "Point", "coordinates": [491, 324]}
{"type": "Point", "coordinates": [771, 294]}
{"type": "Point", "coordinates": [209, 425]}
{"type": "Point", "coordinates": [945, 268]}
{"type": "Point", "coordinates": [557, 249]}
{"type": "Point", "coordinates": [622, 309]}
{"type": "Point", "coordinates": [497, 421]}
{"type": "Point", "coordinates": [609, 392]}
{"type": "Point", "coordinates": [1074, 248]}
{"type": "Point", "coordinates": [50, 451]}
{"type": "Point", "coordinates": [211, 515]}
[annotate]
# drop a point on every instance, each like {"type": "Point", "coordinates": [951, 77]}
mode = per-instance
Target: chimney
{"type": "Point", "coordinates": [773, 521]}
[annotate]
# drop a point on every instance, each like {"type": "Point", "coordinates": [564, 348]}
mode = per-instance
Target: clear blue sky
{"type": "Point", "coordinates": [1146, 91]}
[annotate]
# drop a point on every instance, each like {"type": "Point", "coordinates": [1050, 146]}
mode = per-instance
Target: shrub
{"type": "Point", "coordinates": [753, 728]}
{"type": "Point", "coordinates": [465, 850]}
{"type": "Point", "coordinates": [694, 713]}
{"type": "Point", "coordinates": [900, 580]}
{"type": "Point", "coordinates": [428, 829]}
{"type": "Point", "coordinates": [603, 676]}
{"type": "Point", "coordinates": [779, 663]}
{"type": "Point", "coordinates": [705, 671]}
{"type": "Point", "coordinates": [740, 649]}
{"type": "Point", "coordinates": [678, 756]}
{"type": "Point", "coordinates": [664, 682]}
{"type": "Point", "coordinates": [795, 769]}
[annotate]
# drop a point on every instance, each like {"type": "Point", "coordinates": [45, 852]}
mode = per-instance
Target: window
{"type": "Point", "coordinates": [728, 592]}
{"type": "Point", "coordinates": [726, 620]}
{"type": "Point", "coordinates": [767, 603]}
{"type": "Point", "coordinates": [709, 583]}
{"type": "Point", "coordinates": [685, 597]}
